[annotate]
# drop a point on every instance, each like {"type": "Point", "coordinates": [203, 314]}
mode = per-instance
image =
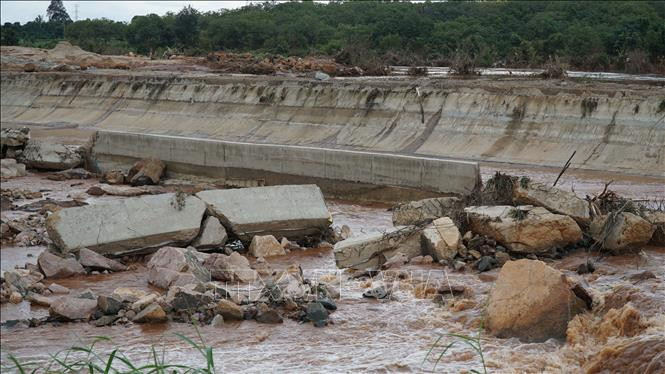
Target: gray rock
{"type": "Point", "coordinates": [54, 266]}
{"type": "Point", "coordinates": [70, 308]}
{"type": "Point", "coordinates": [376, 293]}
{"type": "Point", "coordinates": [127, 225]}
{"type": "Point", "coordinates": [321, 76]}
{"type": "Point", "coordinates": [58, 289]}
{"type": "Point", "coordinates": [94, 260]}
{"type": "Point", "coordinates": [371, 250]}
{"type": "Point", "coordinates": [217, 321]}
{"type": "Point", "coordinates": [420, 211]}
{"type": "Point", "coordinates": [293, 211]}
{"type": "Point", "coordinates": [234, 267]}
{"type": "Point", "coordinates": [53, 156]}
{"type": "Point", "coordinates": [104, 320]}
{"type": "Point", "coordinates": [486, 263]}
{"type": "Point", "coordinates": [317, 313]}
{"type": "Point", "coordinates": [9, 168]}
{"type": "Point", "coordinates": [37, 299]}
{"type": "Point", "coordinates": [186, 299]}
{"type": "Point", "coordinates": [22, 279]}
{"type": "Point", "coordinates": [109, 304]}
{"type": "Point", "coordinates": [213, 234]}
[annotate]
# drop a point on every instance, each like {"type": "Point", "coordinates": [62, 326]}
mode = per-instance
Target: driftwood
{"type": "Point", "coordinates": [565, 167]}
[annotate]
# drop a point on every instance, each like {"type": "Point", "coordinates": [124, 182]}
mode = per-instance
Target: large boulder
{"type": "Point", "coordinates": [621, 231]}
{"type": "Point", "coordinates": [94, 260]}
{"type": "Point", "coordinates": [213, 234]}
{"type": "Point", "coordinates": [52, 156]}
{"type": "Point", "coordinates": [531, 301]}
{"type": "Point", "coordinates": [9, 168]}
{"type": "Point", "coordinates": [416, 212]}
{"type": "Point", "coordinates": [54, 266]}
{"type": "Point", "coordinates": [293, 211]}
{"type": "Point", "coordinates": [524, 228]}
{"type": "Point", "coordinates": [372, 250]}
{"type": "Point", "coordinates": [72, 308]}
{"type": "Point", "coordinates": [553, 199]}
{"type": "Point", "coordinates": [232, 268]}
{"type": "Point", "coordinates": [128, 225]}
{"type": "Point", "coordinates": [441, 239]}
{"type": "Point", "coordinates": [145, 172]}
{"type": "Point", "coordinates": [265, 246]}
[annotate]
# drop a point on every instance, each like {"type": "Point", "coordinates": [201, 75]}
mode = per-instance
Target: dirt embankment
{"type": "Point", "coordinates": [612, 127]}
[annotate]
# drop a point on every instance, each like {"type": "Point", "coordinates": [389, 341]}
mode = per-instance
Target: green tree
{"type": "Point", "coordinates": [186, 27]}
{"type": "Point", "coordinates": [57, 13]}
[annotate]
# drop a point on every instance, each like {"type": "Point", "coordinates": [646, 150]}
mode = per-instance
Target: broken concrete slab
{"type": "Point", "coordinates": [524, 228]}
{"type": "Point", "coordinates": [293, 211]}
{"type": "Point", "coordinates": [51, 156]}
{"type": "Point", "coordinates": [553, 199]}
{"type": "Point", "coordinates": [127, 191]}
{"type": "Point", "coordinates": [420, 211]}
{"type": "Point", "coordinates": [130, 225]}
{"type": "Point", "coordinates": [441, 239]}
{"type": "Point", "coordinates": [213, 234]}
{"type": "Point", "coordinates": [372, 250]}
{"type": "Point", "coordinates": [621, 231]}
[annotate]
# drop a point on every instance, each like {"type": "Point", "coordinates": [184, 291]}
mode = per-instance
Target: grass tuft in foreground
{"type": "Point", "coordinates": [473, 342]}
{"type": "Point", "coordinates": [85, 359]}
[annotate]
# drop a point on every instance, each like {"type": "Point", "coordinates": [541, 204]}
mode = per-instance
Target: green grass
{"type": "Point", "coordinates": [85, 359]}
{"type": "Point", "coordinates": [473, 342]}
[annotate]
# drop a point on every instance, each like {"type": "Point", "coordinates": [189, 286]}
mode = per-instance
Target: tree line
{"type": "Point", "coordinates": [622, 35]}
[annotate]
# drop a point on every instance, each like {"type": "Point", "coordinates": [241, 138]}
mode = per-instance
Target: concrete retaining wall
{"type": "Point", "coordinates": [429, 174]}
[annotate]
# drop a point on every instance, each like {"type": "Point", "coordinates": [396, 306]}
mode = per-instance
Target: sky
{"type": "Point", "coordinates": [24, 11]}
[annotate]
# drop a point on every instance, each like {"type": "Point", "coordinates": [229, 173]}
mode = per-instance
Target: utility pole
{"type": "Point", "coordinates": [76, 12]}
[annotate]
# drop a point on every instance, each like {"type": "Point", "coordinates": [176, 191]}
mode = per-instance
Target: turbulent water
{"type": "Point", "coordinates": [369, 335]}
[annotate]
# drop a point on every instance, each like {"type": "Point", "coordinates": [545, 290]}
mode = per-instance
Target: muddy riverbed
{"type": "Point", "coordinates": [365, 334]}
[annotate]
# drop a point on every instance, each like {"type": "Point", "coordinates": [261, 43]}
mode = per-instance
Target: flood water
{"type": "Point", "coordinates": [365, 335]}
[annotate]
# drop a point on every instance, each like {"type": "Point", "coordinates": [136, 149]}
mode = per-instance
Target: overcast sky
{"type": "Point", "coordinates": [24, 11]}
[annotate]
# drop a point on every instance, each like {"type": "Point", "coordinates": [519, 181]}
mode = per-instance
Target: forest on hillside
{"type": "Point", "coordinates": [621, 36]}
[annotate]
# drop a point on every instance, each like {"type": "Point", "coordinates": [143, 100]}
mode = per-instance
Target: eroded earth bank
{"type": "Point", "coordinates": [140, 205]}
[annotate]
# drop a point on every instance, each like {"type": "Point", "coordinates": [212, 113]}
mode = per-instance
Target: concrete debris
{"type": "Point", "coordinates": [146, 172]}
{"type": "Point", "coordinates": [416, 212]}
{"type": "Point", "coordinates": [553, 199]}
{"type": "Point", "coordinates": [22, 280]}
{"type": "Point", "coordinates": [265, 246]}
{"type": "Point", "coordinates": [231, 268]}
{"type": "Point", "coordinates": [213, 235]}
{"type": "Point", "coordinates": [9, 168]}
{"type": "Point", "coordinates": [12, 137]}
{"type": "Point", "coordinates": [441, 239]}
{"type": "Point", "coordinates": [128, 225]}
{"type": "Point", "coordinates": [524, 228]}
{"type": "Point", "coordinates": [621, 231]}
{"type": "Point", "coordinates": [52, 156]}
{"type": "Point", "coordinates": [95, 261]}
{"type": "Point", "coordinates": [293, 211]}
{"type": "Point", "coordinates": [54, 266]}
{"type": "Point", "coordinates": [396, 261]}
{"type": "Point", "coordinates": [531, 301]}
{"type": "Point", "coordinates": [372, 250]}
{"type": "Point", "coordinates": [72, 308]}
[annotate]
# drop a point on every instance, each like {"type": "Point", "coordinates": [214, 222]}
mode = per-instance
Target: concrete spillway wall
{"type": "Point", "coordinates": [228, 159]}
{"type": "Point", "coordinates": [613, 127]}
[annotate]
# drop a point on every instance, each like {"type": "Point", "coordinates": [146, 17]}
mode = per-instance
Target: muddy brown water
{"type": "Point", "coordinates": [364, 335]}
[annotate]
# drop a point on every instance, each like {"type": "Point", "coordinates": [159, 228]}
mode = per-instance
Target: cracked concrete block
{"type": "Point", "coordinates": [129, 225]}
